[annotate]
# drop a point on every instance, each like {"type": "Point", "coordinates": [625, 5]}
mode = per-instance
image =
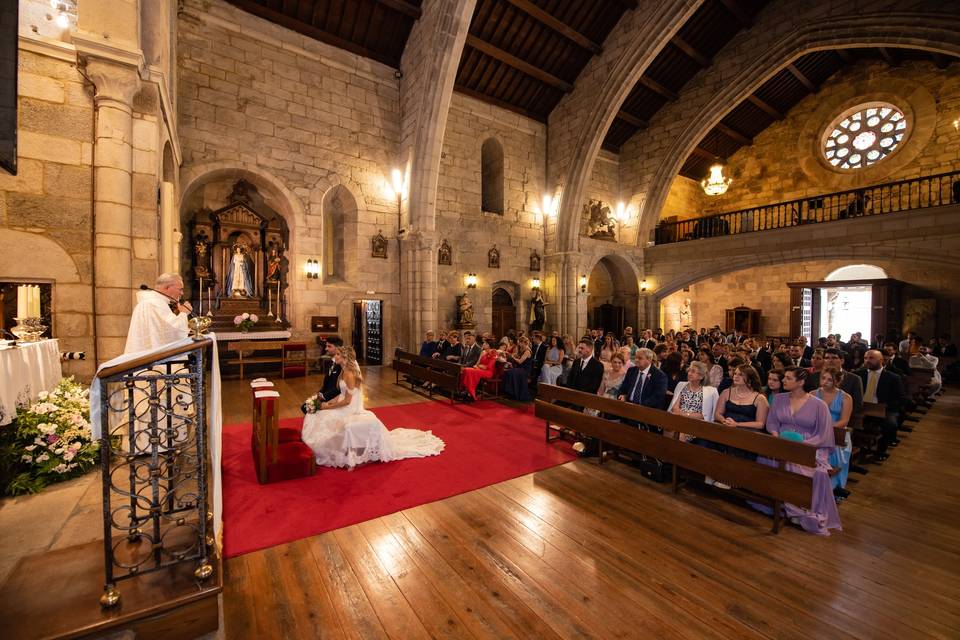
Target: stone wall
{"type": "Point", "coordinates": [46, 209]}
{"type": "Point", "coordinates": [784, 163]}
{"type": "Point", "coordinates": [686, 200]}
{"type": "Point", "coordinates": [471, 232]}
{"type": "Point", "coordinates": [296, 118]}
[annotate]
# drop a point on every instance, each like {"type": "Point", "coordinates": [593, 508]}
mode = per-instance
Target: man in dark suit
{"type": "Point", "coordinates": [886, 388]}
{"type": "Point", "coordinates": [538, 351]}
{"type": "Point", "coordinates": [586, 372]}
{"type": "Point", "coordinates": [470, 351]}
{"type": "Point", "coordinates": [453, 350]}
{"type": "Point", "coordinates": [645, 384]}
{"type": "Point", "coordinates": [331, 379]}
{"type": "Point", "coordinates": [807, 353]}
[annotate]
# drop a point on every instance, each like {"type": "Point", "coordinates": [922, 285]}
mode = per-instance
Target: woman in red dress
{"type": "Point", "coordinates": [470, 377]}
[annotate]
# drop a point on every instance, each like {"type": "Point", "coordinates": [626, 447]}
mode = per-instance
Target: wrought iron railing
{"type": "Point", "coordinates": [905, 195]}
{"type": "Point", "coordinates": [153, 459]}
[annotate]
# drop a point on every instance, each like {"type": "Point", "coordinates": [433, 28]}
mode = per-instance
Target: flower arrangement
{"type": "Point", "coordinates": [53, 441]}
{"type": "Point", "coordinates": [311, 404]}
{"type": "Point", "coordinates": [246, 321]}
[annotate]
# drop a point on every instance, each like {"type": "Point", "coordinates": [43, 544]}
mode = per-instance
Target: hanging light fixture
{"type": "Point", "coordinates": [715, 184]}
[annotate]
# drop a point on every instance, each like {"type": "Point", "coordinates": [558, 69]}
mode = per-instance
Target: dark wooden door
{"type": "Point", "coordinates": [610, 318]}
{"type": "Point", "coordinates": [504, 313]}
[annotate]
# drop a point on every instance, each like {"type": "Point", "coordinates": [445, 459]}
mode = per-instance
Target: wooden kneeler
{"type": "Point", "coordinates": [278, 454]}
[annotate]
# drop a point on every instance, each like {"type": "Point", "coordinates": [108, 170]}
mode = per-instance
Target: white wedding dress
{"type": "Point", "coordinates": [350, 435]}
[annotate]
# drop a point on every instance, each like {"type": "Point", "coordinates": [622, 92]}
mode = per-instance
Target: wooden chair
{"type": "Point", "coordinates": [293, 359]}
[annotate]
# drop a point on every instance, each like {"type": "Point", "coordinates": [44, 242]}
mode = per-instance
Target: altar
{"type": "Point", "coordinates": [25, 371]}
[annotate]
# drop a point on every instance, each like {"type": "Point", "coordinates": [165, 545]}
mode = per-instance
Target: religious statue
{"type": "Point", "coordinates": [464, 312]}
{"type": "Point", "coordinates": [239, 281]}
{"type": "Point", "coordinates": [201, 258]}
{"type": "Point", "coordinates": [273, 265]}
{"type": "Point", "coordinates": [534, 261]}
{"type": "Point", "coordinates": [379, 244]}
{"type": "Point", "coordinates": [493, 258]}
{"type": "Point", "coordinates": [600, 224]}
{"type": "Point", "coordinates": [444, 254]}
{"type": "Point", "coordinates": [686, 315]}
{"type": "Point", "coordinates": [538, 311]}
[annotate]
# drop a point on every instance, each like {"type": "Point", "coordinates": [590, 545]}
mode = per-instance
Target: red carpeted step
{"type": "Point", "coordinates": [486, 443]}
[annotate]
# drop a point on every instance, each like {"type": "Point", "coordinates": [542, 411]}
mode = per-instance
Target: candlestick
{"type": "Point", "coordinates": [279, 308]}
{"type": "Point", "coordinates": [209, 303]}
{"type": "Point", "coordinates": [269, 303]}
{"type": "Point", "coordinates": [200, 312]}
{"type": "Point", "coordinates": [21, 301]}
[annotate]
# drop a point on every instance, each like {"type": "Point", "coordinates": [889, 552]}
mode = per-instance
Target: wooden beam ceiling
{"type": "Point", "coordinates": [631, 119]}
{"type": "Point", "coordinates": [656, 87]}
{"type": "Point", "coordinates": [766, 108]}
{"type": "Point", "coordinates": [847, 56]}
{"type": "Point", "coordinates": [562, 28]}
{"type": "Point", "coordinates": [804, 80]}
{"type": "Point", "coordinates": [482, 97]}
{"type": "Point", "coordinates": [520, 65]}
{"type": "Point", "coordinates": [737, 12]}
{"type": "Point", "coordinates": [628, 4]}
{"type": "Point", "coordinates": [403, 7]}
{"type": "Point", "coordinates": [284, 20]}
{"type": "Point", "coordinates": [703, 153]}
{"type": "Point", "coordinates": [733, 134]}
{"type": "Point", "coordinates": [691, 51]}
{"type": "Point", "coordinates": [889, 56]}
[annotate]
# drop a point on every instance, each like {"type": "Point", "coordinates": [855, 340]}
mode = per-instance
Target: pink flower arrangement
{"type": "Point", "coordinates": [245, 321]}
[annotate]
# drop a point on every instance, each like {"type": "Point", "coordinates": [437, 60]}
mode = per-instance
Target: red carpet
{"type": "Point", "coordinates": [486, 443]}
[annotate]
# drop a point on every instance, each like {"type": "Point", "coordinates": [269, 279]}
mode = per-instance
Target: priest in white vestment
{"type": "Point", "coordinates": [159, 317]}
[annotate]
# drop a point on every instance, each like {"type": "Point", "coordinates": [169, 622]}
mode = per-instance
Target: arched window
{"type": "Point", "coordinates": [334, 220]}
{"type": "Point", "coordinates": [863, 135]}
{"type": "Point", "coordinates": [857, 272]}
{"type": "Point", "coordinates": [491, 176]}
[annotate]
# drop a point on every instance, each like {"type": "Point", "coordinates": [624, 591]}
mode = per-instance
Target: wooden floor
{"type": "Point", "coordinates": [583, 551]}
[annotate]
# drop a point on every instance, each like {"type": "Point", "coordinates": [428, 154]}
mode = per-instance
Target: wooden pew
{"type": "Point", "coordinates": [440, 373]}
{"type": "Point", "coordinates": [775, 483]}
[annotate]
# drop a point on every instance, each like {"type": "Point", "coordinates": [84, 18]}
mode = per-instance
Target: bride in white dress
{"type": "Point", "coordinates": [344, 434]}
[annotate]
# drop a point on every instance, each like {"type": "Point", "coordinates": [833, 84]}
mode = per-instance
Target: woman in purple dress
{"type": "Point", "coordinates": [807, 418]}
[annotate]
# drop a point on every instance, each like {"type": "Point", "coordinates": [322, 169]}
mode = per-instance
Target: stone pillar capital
{"type": "Point", "coordinates": [420, 239]}
{"type": "Point", "coordinates": [114, 82]}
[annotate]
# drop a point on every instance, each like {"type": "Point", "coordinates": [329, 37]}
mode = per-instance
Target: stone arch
{"type": "Point", "coordinates": [857, 272]}
{"type": "Point", "coordinates": [613, 280]}
{"type": "Point", "coordinates": [491, 176]}
{"type": "Point", "coordinates": [600, 91]}
{"type": "Point", "coordinates": [339, 213]}
{"type": "Point", "coordinates": [936, 34]}
{"type": "Point", "coordinates": [513, 291]}
{"type": "Point", "coordinates": [169, 164]}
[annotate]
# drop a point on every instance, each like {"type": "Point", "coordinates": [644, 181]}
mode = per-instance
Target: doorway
{"type": "Point", "coordinates": [367, 335]}
{"type": "Point", "coordinates": [846, 310]}
{"type": "Point", "coordinates": [504, 313]}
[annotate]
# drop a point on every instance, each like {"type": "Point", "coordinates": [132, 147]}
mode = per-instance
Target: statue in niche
{"type": "Point", "coordinates": [275, 264]}
{"type": "Point", "coordinates": [201, 257]}
{"type": "Point", "coordinates": [444, 254]}
{"type": "Point", "coordinates": [538, 311]}
{"type": "Point", "coordinates": [240, 273]}
{"type": "Point", "coordinates": [464, 312]}
{"type": "Point", "coordinates": [534, 261]}
{"type": "Point", "coordinates": [686, 314]}
{"type": "Point", "coordinates": [241, 192]}
{"type": "Point", "coordinates": [379, 246]}
{"type": "Point", "coordinates": [600, 224]}
{"type": "Point", "coordinates": [493, 258]}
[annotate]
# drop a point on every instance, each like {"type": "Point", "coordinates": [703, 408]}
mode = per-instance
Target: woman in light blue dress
{"type": "Point", "coordinates": [552, 363]}
{"type": "Point", "coordinates": [840, 405]}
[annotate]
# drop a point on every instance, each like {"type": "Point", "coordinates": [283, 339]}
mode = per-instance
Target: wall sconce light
{"type": "Point", "coordinates": [956, 124]}
{"type": "Point", "coordinates": [396, 179]}
{"type": "Point", "coordinates": [621, 211]}
{"type": "Point", "coordinates": [535, 283]}
{"type": "Point", "coordinates": [313, 269]}
{"type": "Point", "coordinates": [548, 209]}
{"type": "Point", "coordinates": [471, 281]}
{"type": "Point", "coordinates": [643, 285]}
{"type": "Point", "coordinates": [583, 284]}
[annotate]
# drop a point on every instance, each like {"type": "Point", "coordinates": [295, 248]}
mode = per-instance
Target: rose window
{"type": "Point", "coordinates": [864, 135]}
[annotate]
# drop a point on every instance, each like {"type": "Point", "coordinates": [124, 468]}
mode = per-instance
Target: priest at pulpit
{"type": "Point", "coordinates": [159, 317]}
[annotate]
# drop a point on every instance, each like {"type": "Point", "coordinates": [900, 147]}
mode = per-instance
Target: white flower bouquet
{"type": "Point", "coordinates": [311, 404]}
{"type": "Point", "coordinates": [53, 440]}
{"type": "Point", "coordinates": [245, 321]}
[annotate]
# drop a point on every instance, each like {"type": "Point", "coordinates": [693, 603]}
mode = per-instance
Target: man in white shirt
{"type": "Point", "coordinates": [159, 317]}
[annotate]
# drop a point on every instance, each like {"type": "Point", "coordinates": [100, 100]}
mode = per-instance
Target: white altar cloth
{"type": "Point", "coordinates": [214, 418]}
{"type": "Point", "coordinates": [25, 371]}
{"type": "Point", "coordinates": [252, 335]}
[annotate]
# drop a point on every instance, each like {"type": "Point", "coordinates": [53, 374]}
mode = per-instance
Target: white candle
{"type": "Point", "coordinates": [269, 302]}
{"type": "Point", "coordinates": [22, 301]}
{"type": "Point", "coordinates": [200, 312]}
{"type": "Point", "coordinates": [36, 301]}
{"type": "Point", "coordinates": [209, 305]}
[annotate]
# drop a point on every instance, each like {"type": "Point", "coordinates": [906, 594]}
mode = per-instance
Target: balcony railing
{"type": "Point", "coordinates": [905, 195]}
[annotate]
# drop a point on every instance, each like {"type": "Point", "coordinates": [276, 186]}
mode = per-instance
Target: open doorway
{"type": "Point", "coordinates": [846, 310]}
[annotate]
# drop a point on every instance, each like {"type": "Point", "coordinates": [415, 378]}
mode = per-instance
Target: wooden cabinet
{"type": "Point", "coordinates": [745, 319]}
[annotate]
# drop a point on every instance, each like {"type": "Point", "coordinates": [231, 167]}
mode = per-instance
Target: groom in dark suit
{"type": "Point", "coordinates": [331, 387]}
{"type": "Point", "coordinates": [586, 372]}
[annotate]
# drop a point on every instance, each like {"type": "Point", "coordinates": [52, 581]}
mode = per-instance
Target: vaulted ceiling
{"type": "Point", "coordinates": [525, 55]}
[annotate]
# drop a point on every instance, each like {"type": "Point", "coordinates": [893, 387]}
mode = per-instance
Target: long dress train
{"type": "Point", "coordinates": [351, 435]}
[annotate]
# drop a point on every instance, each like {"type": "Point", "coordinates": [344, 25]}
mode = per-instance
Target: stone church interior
{"type": "Point", "coordinates": [479, 319]}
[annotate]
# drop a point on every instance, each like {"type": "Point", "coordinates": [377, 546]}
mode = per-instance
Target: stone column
{"type": "Point", "coordinates": [115, 85]}
{"type": "Point", "coordinates": [419, 278]}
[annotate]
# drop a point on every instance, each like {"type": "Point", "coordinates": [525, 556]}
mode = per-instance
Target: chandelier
{"type": "Point", "coordinates": [715, 184]}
